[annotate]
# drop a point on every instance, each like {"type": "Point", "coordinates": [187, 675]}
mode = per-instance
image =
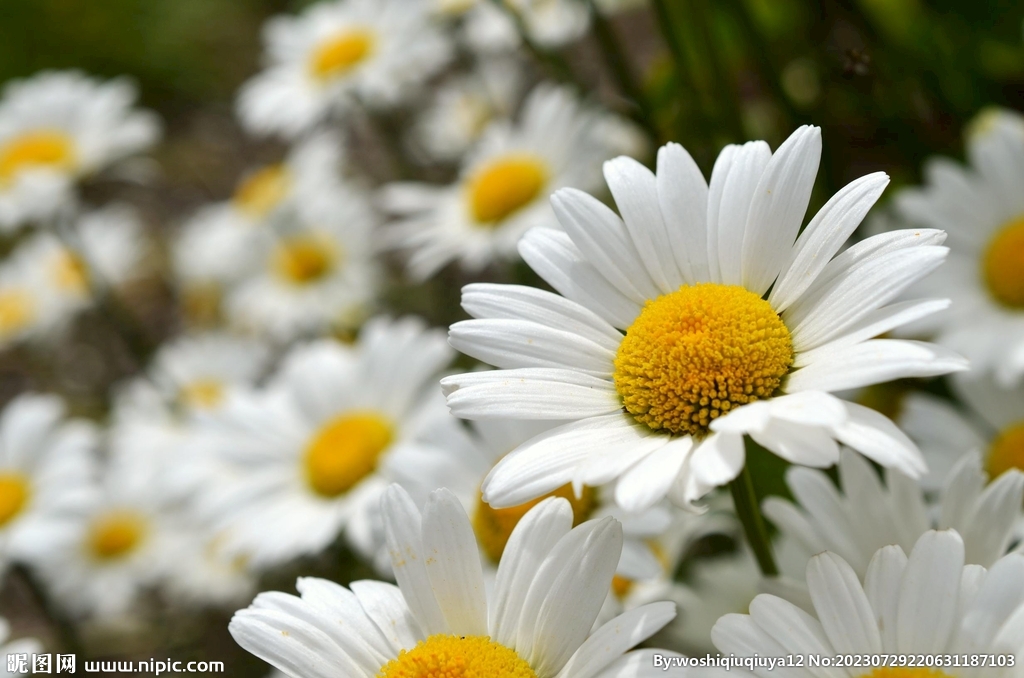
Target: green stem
{"type": "Point", "coordinates": [749, 513]}
{"type": "Point", "coordinates": [618, 64]}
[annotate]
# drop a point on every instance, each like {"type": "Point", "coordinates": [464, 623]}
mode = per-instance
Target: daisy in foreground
{"type": "Point", "coordinates": [927, 603]}
{"type": "Point", "coordinates": [695, 318]}
{"type": "Point", "coordinates": [439, 622]}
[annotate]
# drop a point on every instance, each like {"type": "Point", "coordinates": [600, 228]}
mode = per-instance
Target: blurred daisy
{"type": "Point", "coordinates": [204, 572]}
{"type": "Point", "coordinates": [504, 188]}
{"type": "Point", "coordinates": [708, 355]}
{"type": "Point", "coordinates": [927, 603]}
{"type": "Point", "coordinates": [113, 549]}
{"type": "Point", "coordinates": [23, 305]}
{"type": "Point", "coordinates": [309, 452]}
{"type": "Point", "coordinates": [548, 23]}
{"type": "Point", "coordinates": [439, 621]}
{"type": "Point", "coordinates": [335, 53]}
{"type": "Point", "coordinates": [46, 470]}
{"type": "Point", "coordinates": [57, 127]}
{"type": "Point", "coordinates": [867, 514]}
{"type": "Point", "coordinates": [315, 273]}
{"type": "Point", "coordinates": [982, 209]}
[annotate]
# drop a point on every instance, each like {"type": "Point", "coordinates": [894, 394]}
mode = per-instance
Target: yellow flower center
{"type": "Point", "coordinates": [697, 353]}
{"type": "Point", "coordinates": [621, 586]}
{"type": "Point", "coordinates": [70, 272]}
{"type": "Point", "coordinates": [1003, 266]}
{"type": "Point", "coordinates": [493, 526]}
{"type": "Point", "coordinates": [116, 534]}
{"type": "Point", "coordinates": [1007, 451]}
{"type": "Point", "coordinates": [36, 149]}
{"type": "Point", "coordinates": [304, 259]}
{"type": "Point", "coordinates": [263, 190]}
{"type": "Point", "coordinates": [342, 53]}
{"type": "Point", "coordinates": [906, 672]}
{"type": "Point", "coordinates": [505, 186]}
{"type": "Point", "coordinates": [345, 451]}
{"type": "Point", "coordinates": [16, 311]}
{"type": "Point", "coordinates": [14, 491]}
{"type": "Point", "coordinates": [202, 394]}
{"type": "Point", "coordinates": [444, 656]}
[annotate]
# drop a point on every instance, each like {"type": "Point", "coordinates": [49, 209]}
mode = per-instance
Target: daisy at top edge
{"type": "Point", "coordinates": [439, 620]}
{"type": "Point", "coordinates": [57, 127]}
{"type": "Point", "coordinates": [925, 603]}
{"type": "Point", "coordinates": [695, 318]}
{"type": "Point", "coordinates": [337, 53]}
{"type": "Point", "coordinates": [981, 206]}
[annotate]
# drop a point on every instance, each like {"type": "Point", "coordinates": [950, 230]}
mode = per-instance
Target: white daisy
{"type": "Point", "coordinates": [316, 271]}
{"type": "Point", "coordinates": [336, 53]}
{"type": "Point", "coordinates": [732, 326]}
{"type": "Point", "coordinates": [112, 244]}
{"type": "Point", "coordinates": [57, 127]}
{"type": "Point", "coordinates": [309, 452]}
{"type": "Point", "coordinates": [24, 306]}
{"type": "Point", "coordinates": [113, 549]}
{"type": "Point", "coordinates": [867, 514]}
{"type": "Point", "coordinates": [548, 23]}
{"type": "Point", "coordinates": [204, 572]}
{"type": "Point", "coordinates": [982, 209]}
{"type": "Point", "coordinates": [46, 467]}
{"type": "Point", "coordinates": [925, 603]}
{"type": "Point", "coordinates": [439, 621]}
{"type": "Point", "coordinates": [504, 188]}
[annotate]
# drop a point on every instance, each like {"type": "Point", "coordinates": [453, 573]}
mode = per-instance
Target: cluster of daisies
{"type": "Point", "coordinates": [549, 482]}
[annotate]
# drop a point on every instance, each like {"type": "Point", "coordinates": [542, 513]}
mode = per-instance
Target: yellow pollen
{"type": "Point", "coordinates": [505, 186]}
{"type": "Point", "coordinates": [1003, 266]}
{"type": "Point", "coordinates": [14, 492]}
{"type": "Point", "coordinates": [16, 311]}
{"type": "Point", "coordinates": [493, 526]}
{"type": "Point", "coordinates": [621, 586]}
{"type": "Point", "coordinates": [263, 190]}
{"type": "Point", "coordinates": [203, 394]}
{"type": "Point", "coordinates": [341, 53]}
{"type": "Point", "coordinates": [699, 352]}
{"type": "Point", "coordinates": [115, 535]}
{"type": "Point", "coordinates": [36, 149]}
{"type": "Point", "coordinates": [304, 259]}
{"type": "Point", "coordinates": [1007, 451]}
{"type": "Point", "coordinates": [345, 451]}
{"type": "Point", "coordinates": [906, 672]}
{"type": "Point", "coordinates": [444, 656]}
{"type": "Point", "coordinates": [70, 272]}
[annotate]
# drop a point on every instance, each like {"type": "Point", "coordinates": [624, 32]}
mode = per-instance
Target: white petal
{"type": "Point", "coordinates": [929, 593]}
{"type": "Point", "coordinates": [291, 645]}
{"type": "Point", "coordinates": [875, 436]}
{"type": "Point", "coordinates": [529, 393]}
{"type": "Point", "coordinates": [648, 482]}
{"type": "Point", "coordinates": [683, 197]}
{"type": "Point", "coordinates": [510, 344]}
{"type": "Point", "coordinates": [734, 179]}
{"type": "Point", "coordinates": [799, 444]}
{"type": "Point", "coordinates": [386, 606]}
{"type": "Point", "coordinates": [794, 629]}
{"type": "Point", "coordinates": [829, 229]}
{"type": "Point", "coordinates": [778, 207]}
{"type": "Point", "coordinates": [718, 459]}
{"type": "Point", "coordinates": [737, 634]}
{"type": "Point", "coordinates": [615, 637]}
{"type": "Point", "coordinates": [882, 587]}
{"type": "Point", "coordinates": [842, 606]}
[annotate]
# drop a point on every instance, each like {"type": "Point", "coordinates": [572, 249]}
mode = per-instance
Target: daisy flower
{"type": "Point", "coordinates": [925, 603]}
{"type": "Point", "coordinates": [504, 188]}
{"type": "Point", "coordinates": [315, 271]}
{"type": "Point", "coordinates": [334, 54]}
{"type": "Point", "coordinates": [309, 452]}
{"type": "Point", "coordinates": [24, 306]}
{"type": "Point", "coordinates": [867, 514]}
{"type": "Point", "coordinates": [982, 209]}
{"type": "Point", "coordinates": [549, 23]}
{"type": "Point", "coordinates": [45, 474]}
{"type": "Point", "coordinates": [204, 572]}
{"type": "Point", "coordinates": [694, 319]}
{"type": "Point", "coordinates": [439, 621]}
{"type": "Point", "coordinates": [57, 127]}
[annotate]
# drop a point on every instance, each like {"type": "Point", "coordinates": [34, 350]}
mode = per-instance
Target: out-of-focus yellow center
{"type": "Point", "coordinates": [263, 190]}
{"type": "Point", "coordinates": [116, 534]}
{"type": "Point", "coordinates": [505, 186]}
{"type": "Point", "coordinates": [346, 450]}
{"type": "Point", "coordinates": [304, 259]}
{"type": "Point", "coordinates": [14, 492]}
{"type": "Point", "coordinates": [70, 272]}
{"type": "Point", "coordinates": [621, 585]}
{"type": "Point", "coordinates": [697, 353]}
{"type": "Point", "coordinates": [493, 526]}
{"type": "Point", "coordinates": [17, 310]}
{"type": "Point", "coordinates": [455, 6]}
{"type": "Point", "coordinates": [1003, 266]}
{"type": "Point", "coordinates": [445, 656]}
{"type": "Point", "coordinates": [36, 149]}
{"type": "Point", "coordinates": [342, 53]}
{"type": "Point", "coordinates": [906, 672]}
{"type": "Point", "coordinates": [1007, 451]}
{"type": "Point", "coordinates": [202, 394]}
